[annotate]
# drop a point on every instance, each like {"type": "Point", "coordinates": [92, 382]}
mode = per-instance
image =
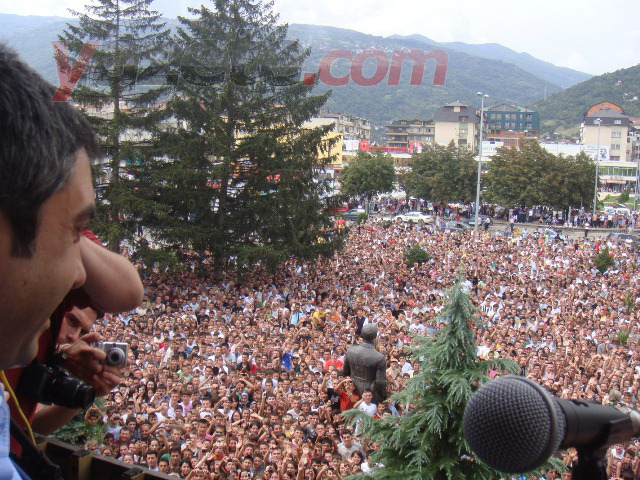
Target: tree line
{"type": "Point", "coordinates": [523, 177]}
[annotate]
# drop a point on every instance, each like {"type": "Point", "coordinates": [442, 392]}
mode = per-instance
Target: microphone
{"type": "Point", "coordinates": [514, 425]}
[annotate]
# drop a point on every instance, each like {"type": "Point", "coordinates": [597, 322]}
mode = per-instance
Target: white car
{"type": "Point", "coordinates": [415, 217]}
{"type": "Point", "coordinates": [622, 210]}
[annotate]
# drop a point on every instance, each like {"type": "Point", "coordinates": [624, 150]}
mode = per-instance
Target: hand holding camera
{"type": "Point", "coordinates": [94, 365]}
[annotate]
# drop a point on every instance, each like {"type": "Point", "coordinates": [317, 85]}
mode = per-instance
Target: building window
{"type": "Point", "coordinates": [617, 122]}
{"type": "Point", "coordinates": [615, 146]}
{"type": "Point", "coordinates": [529, 116]}
{"type": "Point", "coordinates": [614, 158]}
{"type": "Point", "coordinates": [615, 134]}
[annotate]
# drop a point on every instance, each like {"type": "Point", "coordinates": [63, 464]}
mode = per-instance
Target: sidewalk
{"type": "Point", "coordinates": [600, 232]}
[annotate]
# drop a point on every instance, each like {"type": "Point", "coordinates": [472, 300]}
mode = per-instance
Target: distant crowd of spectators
{"type": "Point", "coordinates": [233, 380]}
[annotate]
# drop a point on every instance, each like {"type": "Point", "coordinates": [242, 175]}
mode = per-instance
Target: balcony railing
{"type": "Point", "coordinates": [80, 464]}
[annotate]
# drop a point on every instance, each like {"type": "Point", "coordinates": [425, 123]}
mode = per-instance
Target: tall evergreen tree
{"type": "Point", "coordinates": [428, 442]}
{"type": "Point", "coordinates": [237, 172]}
{"type": "Point", "coordinates": [117, 92]}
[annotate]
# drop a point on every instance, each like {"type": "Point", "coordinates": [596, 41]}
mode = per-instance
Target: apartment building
{"type": "Point", "coordinates": [458, 122]}
{"type": "Point", "coordinates": [511, 124]}
{"type": "Point", "coordinates": [607, 129]}
{"type": "Point", "coordinates": [410, 134]}
{"type": "Point", "coordinates": [351, 127]}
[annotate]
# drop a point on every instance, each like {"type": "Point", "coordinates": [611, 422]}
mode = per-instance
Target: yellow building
{"type": "Point", "coordinates": [336, 150]}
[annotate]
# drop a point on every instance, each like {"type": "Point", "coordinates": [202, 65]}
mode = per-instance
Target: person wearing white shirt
{"type": "Point", "coordinates": [365, 404]}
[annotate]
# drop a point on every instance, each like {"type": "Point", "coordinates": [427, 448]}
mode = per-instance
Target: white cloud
{"type": "Point", "coordinates": [57, 8]}
{"type": "Point", "coordinates": [575, 61]}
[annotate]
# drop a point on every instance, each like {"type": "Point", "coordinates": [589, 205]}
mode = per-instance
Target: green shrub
{"type": "Point", "coordinates": [415, 255]}
{"type": "Point", "coordinates": [603, 260]}
{"type": "Point", "coordinates": [623, 337]}
{"type": "Point", "coordinates": [629, 303]}
{"type": "Point", "coordinates": [361, 218]}
{"type": "Point", "coordinates": [624, 197]}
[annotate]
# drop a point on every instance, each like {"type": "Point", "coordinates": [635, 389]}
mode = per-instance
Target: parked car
{"type": "Point", "coordinates": [457, 226]}
{"type": "Point", "coordinates": [353, 214]}
{"type": "Point", "coordinates": [618, 208]}
{"type": "Point", "coordinates": [623, 210]}
{"type": "Point", "coordinates": [622, 237]}
{"type": "Point", "coordinates": [482, 219]}
{"type": "Point", "coordinates": [416, 217]}
{"type": "Point", "coordinates": [550, 233]}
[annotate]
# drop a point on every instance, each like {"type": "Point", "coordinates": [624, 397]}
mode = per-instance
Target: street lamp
{"type": "Point", "coordinates": [482, 97]}
{"type": "Point", "coordinates": [595, 193]}
{"type": "Point", "coordinates": [635, 197]}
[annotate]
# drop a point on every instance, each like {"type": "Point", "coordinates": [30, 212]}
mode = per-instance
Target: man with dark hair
{"type": "Point", "coordinates": [46, 200]}
{"type": "Point", "coordinates": [152, 460]}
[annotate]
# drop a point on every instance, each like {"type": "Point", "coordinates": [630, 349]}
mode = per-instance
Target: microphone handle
{"type": "Point", "coordinates": [585, 425]}
{"type": "Point", "coordinates": [589, 467]}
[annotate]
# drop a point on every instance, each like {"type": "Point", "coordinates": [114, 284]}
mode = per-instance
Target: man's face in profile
{"type": "Point", "coordinates": [31, 288]}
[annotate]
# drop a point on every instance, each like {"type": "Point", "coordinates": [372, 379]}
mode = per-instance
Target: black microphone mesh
{"type": "Point", "coordinates": [508, 424]}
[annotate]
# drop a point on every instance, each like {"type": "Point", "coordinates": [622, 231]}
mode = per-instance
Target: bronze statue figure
{"type": "Point", "coordinates": [366, 366]}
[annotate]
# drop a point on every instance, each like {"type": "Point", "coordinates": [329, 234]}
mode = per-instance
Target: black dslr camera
{"type": "Point", "coordinates": [53, 384]}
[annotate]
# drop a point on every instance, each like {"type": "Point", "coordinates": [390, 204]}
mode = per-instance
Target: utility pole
{"type": "Point", "coordinates": [482, 97]}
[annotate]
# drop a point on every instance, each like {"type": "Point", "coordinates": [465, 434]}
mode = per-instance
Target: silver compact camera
{"type": "Point", "coordinates": [116, 353]}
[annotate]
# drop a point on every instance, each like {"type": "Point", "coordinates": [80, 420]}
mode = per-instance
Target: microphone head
{"type": "Point", "coordinates": [513, 424]}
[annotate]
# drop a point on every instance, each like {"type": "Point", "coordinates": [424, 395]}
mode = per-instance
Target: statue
{"type": "Point", "coordinates": [366, 366]}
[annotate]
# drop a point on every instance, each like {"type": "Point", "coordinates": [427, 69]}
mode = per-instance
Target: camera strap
{"type": "Point", "coordinates": [33, 461]}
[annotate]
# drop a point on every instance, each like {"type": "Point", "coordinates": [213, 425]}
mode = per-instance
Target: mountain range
{"type": "Point", "coordinates": [565, 109]}
{"type": "Point", "coordinates": [501, 73]}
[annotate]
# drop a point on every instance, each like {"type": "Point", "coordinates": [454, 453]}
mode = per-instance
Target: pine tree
{"type": "Point", "coordinates": [428, 442]}
{"type": "Point", "coordinates": [117, 92]}
{"type": "Point", "coordinates": [604, 260]}
{"type": "Point", "coordinates": [236, 170]}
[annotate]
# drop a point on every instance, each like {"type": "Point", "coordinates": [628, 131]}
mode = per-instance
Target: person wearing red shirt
{"type": "Point", "coordinates": [334, 362]}
{"type": "Point", "coordinates": [346, 390]}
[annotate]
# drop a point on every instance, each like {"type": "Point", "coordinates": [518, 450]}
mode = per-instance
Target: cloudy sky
{"type": "Point", "coordinates": [587, 35]}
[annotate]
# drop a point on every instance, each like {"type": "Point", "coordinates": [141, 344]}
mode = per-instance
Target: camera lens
{"type": "Point", "coordinates": [115, 356]}
{"type": "Point", "coordinates": [54, 385]}
{"type": "Point", "coordinates": [68, 392]}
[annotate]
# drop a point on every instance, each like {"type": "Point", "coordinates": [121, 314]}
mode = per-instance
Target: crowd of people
{"type": "Point", "coordinates": [610, 218]}
{"type": "Point", "coordinates": [238, 380]}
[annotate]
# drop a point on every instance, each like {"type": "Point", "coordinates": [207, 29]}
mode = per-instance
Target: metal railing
{"type": "Point", "coordinates": [80, 464]}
